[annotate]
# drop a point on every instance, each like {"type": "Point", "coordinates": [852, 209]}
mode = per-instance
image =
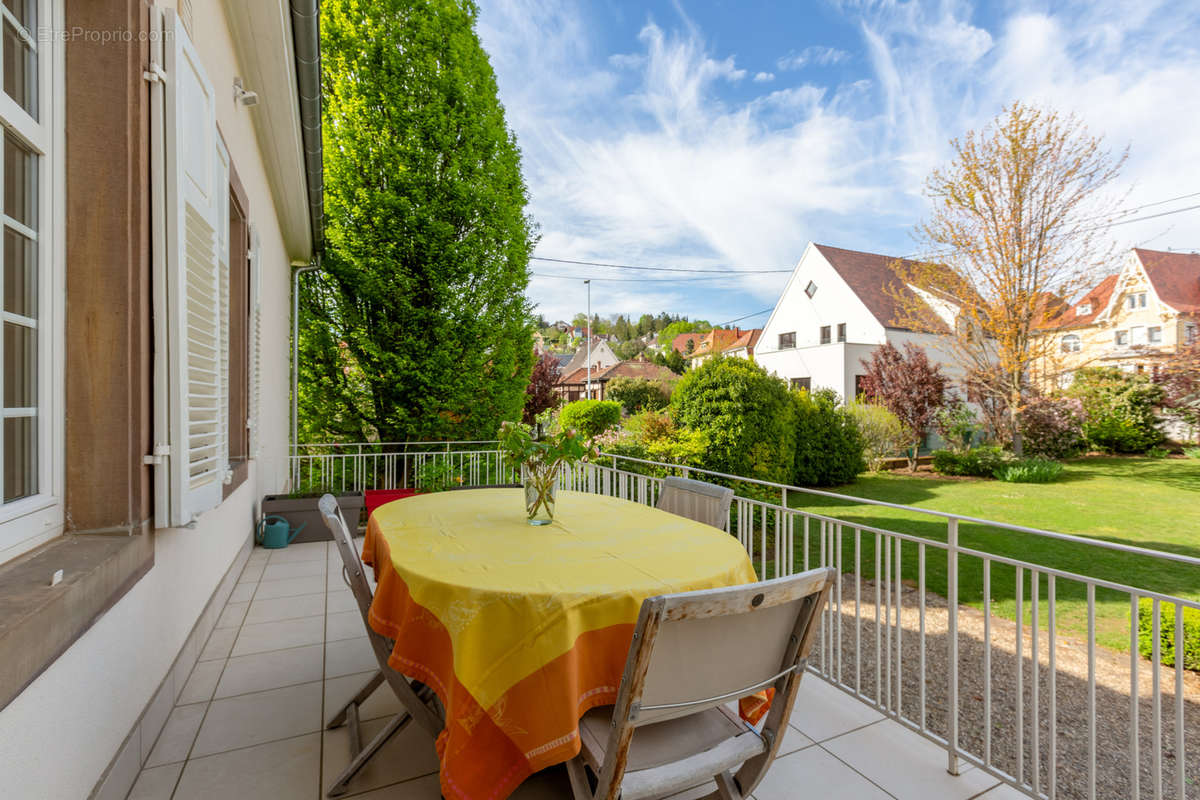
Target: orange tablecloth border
{"type": "Point", "coordinates": [475, 741]}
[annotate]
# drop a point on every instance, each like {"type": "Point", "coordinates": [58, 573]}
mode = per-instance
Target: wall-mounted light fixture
{"type": "Point", "coordinates": [243, 95]}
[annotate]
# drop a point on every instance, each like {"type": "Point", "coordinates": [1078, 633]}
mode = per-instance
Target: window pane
{"type": "Point", "coordinates": [20, 172]}
{"type": "Point", "coordinates": [20, 275]}
{"type": "Point", "coordinates": [20, 457]}
{"type": "Point", "coordinates": [19, 70]}
{"type": "Point", "coordinates": [23, 10]}
{"type": "Point", "coordinates": [20, 366]}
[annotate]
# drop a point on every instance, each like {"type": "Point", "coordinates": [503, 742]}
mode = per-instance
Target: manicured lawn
{"type": "Point", "coordinates": [1144, 502]}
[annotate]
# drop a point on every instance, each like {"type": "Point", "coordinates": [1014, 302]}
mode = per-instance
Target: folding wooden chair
{"type": "Point", "coordinates": [693, 654]}
{"type": "Point", "coordinates": [697, 500]}
{"type": "Point", "coordinates": [418, 700]}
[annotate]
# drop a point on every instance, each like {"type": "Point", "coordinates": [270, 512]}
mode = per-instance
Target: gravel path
{"type": "Point", "coordinates": [1069, 695]}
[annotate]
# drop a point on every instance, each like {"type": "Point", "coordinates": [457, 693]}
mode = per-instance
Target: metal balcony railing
{"type": "Point", "coordinates": [998, 680]}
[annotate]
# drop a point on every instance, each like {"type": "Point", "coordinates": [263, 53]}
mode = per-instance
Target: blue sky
{"type": "Point", "coordinates": [706, 134]}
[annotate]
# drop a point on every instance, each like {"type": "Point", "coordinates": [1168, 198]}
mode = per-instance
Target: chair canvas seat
{"type": "Point", "coordinates": [664, 742]}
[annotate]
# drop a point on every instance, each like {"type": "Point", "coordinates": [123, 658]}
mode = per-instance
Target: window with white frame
{"type": "Point", "coordinates": [1121, 338]}
{"type": "Point", "coordinates": [1083, 309]}
{"type": "Point", "coordinates": [1136, 300]}
{"type": "Point", "coordinates": [25, 354]}
{"type": "Point", "coordinates": [1070, 343]}
{"type": "Point", "coordinates": [1189, 333]}
{"type": "Point", "coordinates": [1154, 334]}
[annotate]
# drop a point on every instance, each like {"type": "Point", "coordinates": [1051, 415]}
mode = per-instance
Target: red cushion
{"type": "Point", "coordinates": [374, 498]}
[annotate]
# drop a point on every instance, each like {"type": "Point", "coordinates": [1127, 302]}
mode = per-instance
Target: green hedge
{"type": "Point", "coordinates": [1166, 633]}
{"type": "Point", "coordinates": [978, 462]}
{"type": "Point", "coordinates": [590, 417]}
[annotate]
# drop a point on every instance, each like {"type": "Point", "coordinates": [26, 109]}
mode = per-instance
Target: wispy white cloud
{"type": "Point", "coordinates": [820, 55]}
{"type": "Point", "coordinates": [764, 77]}
{"type": "Point", "coordinates": [665, 154]}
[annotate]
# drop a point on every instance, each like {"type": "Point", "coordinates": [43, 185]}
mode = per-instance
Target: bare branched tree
{"type": "Point", "coordinates": [1017, 229]}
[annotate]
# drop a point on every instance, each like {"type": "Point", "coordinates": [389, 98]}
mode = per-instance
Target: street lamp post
{"type": "Point", "coordinates": [587, 331]}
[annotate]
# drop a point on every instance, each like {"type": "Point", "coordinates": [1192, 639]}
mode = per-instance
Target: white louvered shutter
{"type": "Point", "coordinates": [196, 351]}
{"type": "Point", "coordinates": [223, 310]}
{"type": "Point", "coordinates": [255, 343]}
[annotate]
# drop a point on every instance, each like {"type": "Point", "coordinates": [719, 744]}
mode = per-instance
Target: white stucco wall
{"type": "Point", "coordinates": [835, 365]}
{"type": "Point", "coordinates": [59, 735]}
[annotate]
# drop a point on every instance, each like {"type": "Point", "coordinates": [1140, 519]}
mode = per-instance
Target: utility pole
{"type": "Point", "coordinates": [587, 331]}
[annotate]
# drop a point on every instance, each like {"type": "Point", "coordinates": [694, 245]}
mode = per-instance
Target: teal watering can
{"type": "Point", "coordinates": [274, 532]}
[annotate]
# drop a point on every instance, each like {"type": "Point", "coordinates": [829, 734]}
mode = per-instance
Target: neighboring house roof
{"type": "Point", "coordinates": [581, 355]}
{"type": "Point", "coordinates": [1097, 298]}
{"type": "Point", "coordinates": [563, 359]}
{"type": "Point", "coordinates": [577, 376]}
{"type": "Point", "coordinates": [747, 340]}
{"type": "Point", "coordinates": [716, 341]}
{"type": "Point", "coordinates": [680, 342]}
{"type": "Point", "coordinates": [638, 368]}
{"type": "Point", "coordinates": [872, 277]}
{"type": "Point", "coordinates": [1175, 277]}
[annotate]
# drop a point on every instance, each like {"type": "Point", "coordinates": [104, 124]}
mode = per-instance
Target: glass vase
{"type": "Point", "coordinates": [541, 488]}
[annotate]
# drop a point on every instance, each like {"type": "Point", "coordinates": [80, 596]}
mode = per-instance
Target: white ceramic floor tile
{"type": "Point", "coordinates": [252, 572]}
{"type": "Point", "coordinates": [219, 644]}
{"type": "Point", "coordinates": [911, 767]}
{"type": "Point", "coordinates": [822, 711]}
{"type": "Point", "coordinates": [812, 772]}
{"type": "Point", "coordinates": [339, 691]}
{"type": "Point", "coordinates": [290, 587]}
{"type": "Point", "coordinates": [348, 657]}
{"type": "Point", "coordinates": [242, 593]}
{"type": "Point", "coordinates": [156, 783]}
{"type": "Point", "coordinates": [426, 788]}
{"type": "Point", "coordinates": [231, 616]}
{"type": "Point", "coordinates": [293, 569]}
{"type": "Point", "coordinates": [285, 769]}
{"type": "Point", "coordinates": [252, 719]}
{"type": "Point", "coordinates": [279, 635]}
{"type": "Point", "coordinates": [1003, 792]}
{"type": "Point", "coordinates": [201, 683]}
{"type": "Point", "coordinates": [271, 670]}
{"type": "Point", "coordinates": [409, 754]}
{"type": "Point", "coordinates": [344, 625]}
{"type": "Point", "coordinates": [792, 741]}
{"type": "Point", "coordinates": [339, 601]}
{"type": "Point", "coordinates": [273, 609]}
{"type": "Point", "coordinates": [305, 551]}
{"type": "Point", "coordinates": [177, 735]}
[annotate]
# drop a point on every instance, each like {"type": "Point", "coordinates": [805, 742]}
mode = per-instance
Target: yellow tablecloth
{"type": "Point", "coordinates": [522, 629]}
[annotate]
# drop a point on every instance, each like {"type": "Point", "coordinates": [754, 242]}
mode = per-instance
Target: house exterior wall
{"type": "Point", "coordinates": [58, 736]}
{"type": "Point", "coordinates": [1098, 345]}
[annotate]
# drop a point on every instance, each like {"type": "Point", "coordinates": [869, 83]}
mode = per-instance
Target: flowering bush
{"type": "Point", "coordinates": [1053, 427]}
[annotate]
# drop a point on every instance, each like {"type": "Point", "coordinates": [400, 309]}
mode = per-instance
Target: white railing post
{"type": "Point", "coordinates": [952, 765]}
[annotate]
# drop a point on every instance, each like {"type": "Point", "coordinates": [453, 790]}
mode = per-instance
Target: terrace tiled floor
{"type": "Point", "coordinates": [289, 650]}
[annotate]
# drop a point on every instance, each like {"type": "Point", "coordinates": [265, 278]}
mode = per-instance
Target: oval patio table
{"type": "Point", "coordinates": [521, 629]}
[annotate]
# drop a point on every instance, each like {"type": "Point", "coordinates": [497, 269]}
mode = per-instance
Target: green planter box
{"type": "Point", "coordinates": [303, 511]}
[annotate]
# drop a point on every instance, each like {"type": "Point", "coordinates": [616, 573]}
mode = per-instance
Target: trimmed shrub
{"type": "Point", "coordinates": [978, 462]}
{"type": "Point", "coordinates": [1118, 409]}
{"type": "Point", "coordinates": [1166, 633]}
{"type": "Point", "coordinates": [883, 434]}
{"type": "Point", "coordinates": [590, 417]}
{"type": "Point", "coordinates": [1029, 470]}
{"type": "Point", "coordinates": [1052, 427]}
{"type": "Point", "coordinates": [829, 448]}
{"type": "Point", "coordinates": [747, 415]}
{"type": "Point", "coordinates": [1158, 452]}
{"type": "Point", "coordinates": [635, 394]}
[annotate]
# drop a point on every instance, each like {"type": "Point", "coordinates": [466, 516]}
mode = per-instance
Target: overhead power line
{"type": "Point", "coordinates": [718, 270]}
{"type": "Point", "coordinates": [630, 280]}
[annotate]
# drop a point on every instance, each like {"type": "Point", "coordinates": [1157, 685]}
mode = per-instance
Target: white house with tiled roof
{"type": "Point", "coordinates": [838, 306]}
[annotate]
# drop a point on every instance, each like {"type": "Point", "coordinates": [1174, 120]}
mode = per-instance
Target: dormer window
{"type": "Point", "coordinates": [811, 289]}
{"type": "Point", "coordinates": [1083, 309]}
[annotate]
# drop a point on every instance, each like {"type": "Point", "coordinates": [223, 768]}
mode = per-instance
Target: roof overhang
{"type": "Point", "coordinates": [262, 34]}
